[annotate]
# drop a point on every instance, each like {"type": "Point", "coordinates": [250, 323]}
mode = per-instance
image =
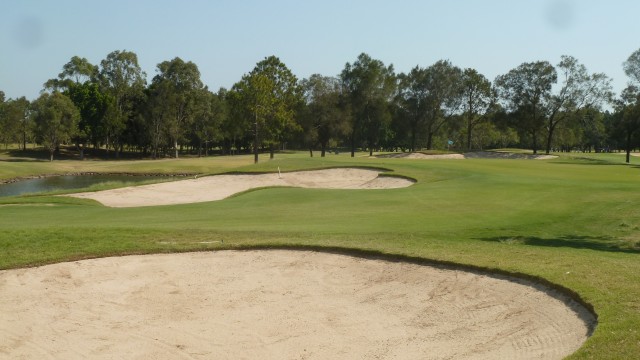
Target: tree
{"type": "Point", "coordinates": [209, 113]}
{"type": "Point", "coordinates": [478, 98]}
{"type": "Point", "coordinates": [526, 92]}
{"type": "Point", "coordinates": [412, 100]}
{"type": "Point", "coordinates": [578, 90]}
{"type": "Point", "coordinates": [444, 87]}
{"type": "Point", "coordinates": [322, 118]}
{"type": "Point", "coordinates": [369, 86]}
{"type": "Point", "coordinates": [270, 94]}
{"type": "Point", "coordinates": [123, 81]}
{"type": "Point", "coordinates": [282, 95]}
{"type": "Point", "coordinates": [236, 128]}
{"type": "Point", "coordinates": [77, 71]}
{"type": "Point", "coordinates": [15, 121]}
{"type": "Point", "coordinates": [180, 83]}
{"type": "Point", "coordinates": [56, 120]}
{"type": "Point", "coordinates": [626, 119]}
{"type": "Point", "coordinates": [79, 81]}
{"type": "Point", "coordinates": [632, 67]}
{"type": "Point", "coordinates": [92, 104]}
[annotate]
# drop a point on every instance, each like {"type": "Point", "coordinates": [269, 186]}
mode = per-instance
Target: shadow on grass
{"type": "Point", "coordinates": [598, 243]}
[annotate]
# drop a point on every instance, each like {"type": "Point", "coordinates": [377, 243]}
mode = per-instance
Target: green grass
{"type": "Point", "coordinates": [574, 222]}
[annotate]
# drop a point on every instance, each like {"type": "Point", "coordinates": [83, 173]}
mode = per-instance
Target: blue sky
{"type": "Point", "coordinates": [227, 38]}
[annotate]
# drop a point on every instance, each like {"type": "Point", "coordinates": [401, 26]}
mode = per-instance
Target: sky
{"type": "Point", "coordinates": [226, 39]}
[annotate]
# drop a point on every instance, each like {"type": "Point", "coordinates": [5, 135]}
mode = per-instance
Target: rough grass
{"type": "Point", "coordinates": [572, 222]}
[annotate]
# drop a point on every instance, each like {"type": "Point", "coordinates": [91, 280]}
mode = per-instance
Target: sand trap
{"type": "Point", "coordinates": [211, 188]}
{"type": "Point", "coordinates": [471, 155]}
{"type": "Point", "coordinates": [278, 304]}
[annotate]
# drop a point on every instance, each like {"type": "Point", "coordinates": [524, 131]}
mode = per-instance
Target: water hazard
{"type": "Point", "coordinates": [66, 182]}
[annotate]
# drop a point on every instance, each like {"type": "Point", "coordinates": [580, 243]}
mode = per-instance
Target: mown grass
{"type": "Point", "coordinates": [572, 222]}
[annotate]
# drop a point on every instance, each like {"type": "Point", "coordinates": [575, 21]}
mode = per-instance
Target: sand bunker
{"type": "Point", "coordinates": [470, 155]}
{"type": "Point", "coordinates": [278, 304]}
{"type": "Point", "coordinates": [218, 187]}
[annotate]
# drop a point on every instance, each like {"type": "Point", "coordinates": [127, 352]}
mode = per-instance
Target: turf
{"type": "Point", "coordinates": [572, 221]}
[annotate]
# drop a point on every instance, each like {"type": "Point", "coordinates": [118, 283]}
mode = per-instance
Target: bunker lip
{"type": "Point", "coordinates": [218, 187]}
{"type": "Point", "coordinates": [280, 304]}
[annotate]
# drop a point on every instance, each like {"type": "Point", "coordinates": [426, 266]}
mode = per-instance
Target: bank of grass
{"type": "Point", "coordinates": [570, 221]}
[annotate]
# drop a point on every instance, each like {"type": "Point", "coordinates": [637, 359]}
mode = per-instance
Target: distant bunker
{"type": "Point", "coordinates": [218, 187]}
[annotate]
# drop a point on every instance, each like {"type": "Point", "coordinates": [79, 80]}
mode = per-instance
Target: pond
{"type": "Point", "coordinates": [67, 182]}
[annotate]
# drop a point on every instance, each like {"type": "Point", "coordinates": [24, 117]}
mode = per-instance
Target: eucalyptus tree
{"type": "Point", "coordinates": [122, 79]}
{"type": "Point", "coordinates": [369, 86]}
{"type": "Point", "coordinates": [477, 99]}
{"type": "Point", "coordinates": [236, 128]}
{"type": "Point", "coordinates": [526, 93]}
{"type": "Point", "coordinates": [178, 87]}
{"type": "Point", "coordinates": [270, 94]}
{"type": "Point", "coordinates": [209, 112]}
{"type": "Point", "coordinates": [79, 81]}
{"type": "Point", "coordinates": [77, 71]}
{"type": "Point", "coordinates": [56, 120]}
{"type": "Point", "coordinates": [444, 95]}
{"type": "Point", "coordinates": [632, 68]}
{"type": "Point", "coordinates": [15, 121]}
{"type": "Point", "coordinates": [626, 119]}
{"type": "Point", "coordinates": [92, 104]}
{"type": "Point", "coordinates": [6, 125]}
{"type": "Point", "coordinates": [578, 90]}
{"type": "Point", "coordinates": [282, 95]}
{"type": "Point", "coordinates": [323, 118]}
{"type": "Point", "coordinates": [412, 100]}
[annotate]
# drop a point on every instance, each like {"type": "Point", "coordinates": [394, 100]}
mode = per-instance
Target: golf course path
{"type": "Point", "coordinates": [218, 187]}
{"type": "Point", "coordinates": [279, 304]}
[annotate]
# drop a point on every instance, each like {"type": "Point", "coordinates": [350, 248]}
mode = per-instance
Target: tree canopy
{"type": "Point", "coordinates": [367, 106]}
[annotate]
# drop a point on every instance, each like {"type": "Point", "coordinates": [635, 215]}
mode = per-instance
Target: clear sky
{"type": "Point", "coordinates": [227, 38]}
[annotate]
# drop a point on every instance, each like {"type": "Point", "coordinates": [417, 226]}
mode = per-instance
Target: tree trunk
{"type": "Point", "coordinates": [310, 151]}
{"type": "Point", "coordinates": [175, 146]}
{"type": "Point", "coordinates": [271, 151]}
{"type": "Point", "coordinates": [628, 146]}
{"type": "Point", "coordinates": [413, 136]}
{"type": "Point", "coordinates": [429, 140]}
{"type": "Point", "coordinates": [353, 144]}
{"type": "Point", "coordinates": [552, 127]}
{"type": "Point", "coordinates": [469, 129]}
{"type": "Point", "coordinates": [323, 147]}
{"type": "Point", "coordinates": [535, 142]}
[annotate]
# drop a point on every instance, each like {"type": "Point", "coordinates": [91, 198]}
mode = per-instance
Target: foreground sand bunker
{"type": "Point", "coordinates": [218, 187]}
{"type": "Point", "coordinates": [278, 304]}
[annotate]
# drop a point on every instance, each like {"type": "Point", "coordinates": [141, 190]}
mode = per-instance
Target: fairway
{"type": "Point", "coordinates": [570, 223]}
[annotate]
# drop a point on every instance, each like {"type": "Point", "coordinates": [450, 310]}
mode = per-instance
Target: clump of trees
{"type": "Point", "coordinates": [367, 106]}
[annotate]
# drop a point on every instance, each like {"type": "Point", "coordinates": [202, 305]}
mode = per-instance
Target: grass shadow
{"type": "Point", "coordinates": [597, 243]}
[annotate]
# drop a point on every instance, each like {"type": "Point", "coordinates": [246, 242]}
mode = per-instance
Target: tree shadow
{"type": "Point", "coordinates": [597, 243]}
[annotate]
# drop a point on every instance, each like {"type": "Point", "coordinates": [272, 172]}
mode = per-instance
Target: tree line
{"type": "Point", "coordinates": [368, 106]}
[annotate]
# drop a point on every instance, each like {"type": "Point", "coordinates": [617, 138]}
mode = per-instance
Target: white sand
{"type": "Point", "coordinates": [470, 155]}
{"type": "Point", "coordinates": [278, 304]}
{"type": "Point", "coordinates": [211, 188]}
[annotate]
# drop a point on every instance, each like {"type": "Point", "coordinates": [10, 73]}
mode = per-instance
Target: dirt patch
{"type": "Point", "coordinates": [211, 188]}
{"type": "Point", "coordinates": [279, 304]}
